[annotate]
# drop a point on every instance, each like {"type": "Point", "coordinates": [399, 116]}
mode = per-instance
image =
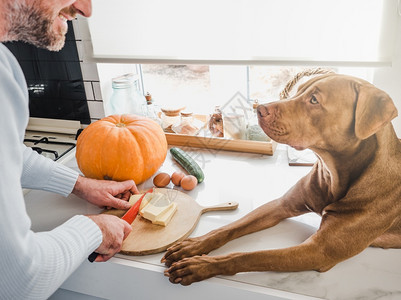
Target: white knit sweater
{"type": "Point", "coordinates": [32, 265]}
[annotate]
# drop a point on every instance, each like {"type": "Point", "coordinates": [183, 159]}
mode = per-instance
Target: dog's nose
{"type": "Point", "coordinates": [262, 111]}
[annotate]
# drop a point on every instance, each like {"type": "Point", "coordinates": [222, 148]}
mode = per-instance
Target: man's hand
{"type": "Point", "coordinates": [114, 231]}
{"type": "Point", "coordinates": [105, 193]}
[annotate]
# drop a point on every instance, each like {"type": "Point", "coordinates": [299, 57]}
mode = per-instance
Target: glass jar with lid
{"type": "Point", "coordinates": [216, 123]}
{"type": "Point", "coordinates": [186, 118]}
{"type": "Point", "coordinates": [186, 126]}
{"type": "Point", "coordinates": [126, 97]}
{"type": "Point", "coordinates": [253, 131]}
{"type": "Point", "coordinates": [151, 110]}
{"type": "Point", "coordinates": [234, 126]}
{"type": "Point", "coordinates": [169, 118]}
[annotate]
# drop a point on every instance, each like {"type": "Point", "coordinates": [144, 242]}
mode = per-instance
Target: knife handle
{"type": "Point", "coordinates": [129, 217]}
{"type": "Point", "coordinates": [93, 256]}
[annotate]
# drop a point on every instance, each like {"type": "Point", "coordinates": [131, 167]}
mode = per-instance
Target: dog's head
{"type": "Point", "coordinates": [328, 112]}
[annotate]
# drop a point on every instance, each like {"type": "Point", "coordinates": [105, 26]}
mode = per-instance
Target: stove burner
{"type": "Point", "coordinates": [40, 151]}
{"type": "Point", "coordinates": [42, 140]}
{"type": "Point", "coordinates": [44, 146]}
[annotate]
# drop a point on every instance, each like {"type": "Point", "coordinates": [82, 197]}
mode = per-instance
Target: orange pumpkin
{"type": "Point", "coordinates": [121, 147]}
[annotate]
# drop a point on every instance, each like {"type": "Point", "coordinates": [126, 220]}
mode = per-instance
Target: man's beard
{"type": "Point", "coordinates": [33, 25]}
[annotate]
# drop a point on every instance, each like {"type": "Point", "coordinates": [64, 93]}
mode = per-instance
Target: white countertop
{"type": "Point", "coordinates": [251, 180]}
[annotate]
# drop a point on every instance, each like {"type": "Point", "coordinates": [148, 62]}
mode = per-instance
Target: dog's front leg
{"type": "Point", "coordinates": [340, 236]}
{"type": "Point", "coordinates": [193, 269]}
{"type": "Point", "coordinates": [263, 217]}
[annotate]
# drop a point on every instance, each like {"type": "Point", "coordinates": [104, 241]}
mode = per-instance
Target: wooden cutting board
{"type": "Point", "coordinates": [147, 238]}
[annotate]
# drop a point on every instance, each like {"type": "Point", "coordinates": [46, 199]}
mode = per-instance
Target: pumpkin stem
{"type": "Point", "coordinates": [120, 125]}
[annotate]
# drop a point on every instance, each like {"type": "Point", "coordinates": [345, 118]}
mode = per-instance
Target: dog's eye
{"type": "Point", "coordinates": [313, 100]}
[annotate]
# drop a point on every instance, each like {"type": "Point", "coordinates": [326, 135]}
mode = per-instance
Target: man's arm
{"type": "Point", "coordinates": [33, 265]}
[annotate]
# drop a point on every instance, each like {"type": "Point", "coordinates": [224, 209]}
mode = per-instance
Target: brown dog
{"type": "Point", "coordinates": [355, 184]}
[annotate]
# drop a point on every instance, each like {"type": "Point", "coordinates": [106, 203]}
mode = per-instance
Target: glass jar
{"type": "Point", "coordinates": [170, 117]}
{"type": "Point", "coordinates": [216, 123]}
{"type": "Point", "coordinates": [125, 98]}
{"type": "Point", "coordinates": [253, 131]}
{"type": "Point", "coordinates": [151, 110]}
{"type": "Point", "coordinates": [186, 118]}
{"type": "Point", "coordinates": [186, 126]}
{"type": "Point", "coordinates": [234, 126]}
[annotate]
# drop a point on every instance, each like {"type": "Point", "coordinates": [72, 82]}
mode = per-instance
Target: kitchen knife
{"type": "Point", "coordinates": [129, 217]}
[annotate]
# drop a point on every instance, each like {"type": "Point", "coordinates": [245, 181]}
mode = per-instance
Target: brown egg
{"type": "Point", "coordinates": [176, 178]}
{"type": "Point", "coordinates": [189, 182]}
{"type": "Point", "coordinates": [161, 180]}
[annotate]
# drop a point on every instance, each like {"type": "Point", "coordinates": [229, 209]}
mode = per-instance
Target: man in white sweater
{"type": "Point", "coordinates": [33, 265]}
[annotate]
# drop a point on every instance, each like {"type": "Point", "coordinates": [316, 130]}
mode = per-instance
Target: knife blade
{"type": "Point", "coordinates": [128, 217]}
{"type": "Point", "coordinates": [131, 214]}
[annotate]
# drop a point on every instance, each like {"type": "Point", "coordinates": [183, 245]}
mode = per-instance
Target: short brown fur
{"type": "Point", "coordinates": [354, 185]}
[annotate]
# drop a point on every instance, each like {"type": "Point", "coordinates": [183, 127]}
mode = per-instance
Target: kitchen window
{"type": "Point", "coordinates": [197, 87]}
{"type": "Point", "coordinates": [201, 87]}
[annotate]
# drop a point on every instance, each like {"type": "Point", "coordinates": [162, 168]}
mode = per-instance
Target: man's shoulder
{"type": "Point", "coordinates": [7, 59]}
{"type": "Point", "coordinates": [10, 67]}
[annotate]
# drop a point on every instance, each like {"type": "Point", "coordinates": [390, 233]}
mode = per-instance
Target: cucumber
{"type": "Point", "coordinates": [187, 163]}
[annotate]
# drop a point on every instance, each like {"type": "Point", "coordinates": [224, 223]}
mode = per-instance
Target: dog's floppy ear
{"type": "Point", "coordinates": [374, 109]}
